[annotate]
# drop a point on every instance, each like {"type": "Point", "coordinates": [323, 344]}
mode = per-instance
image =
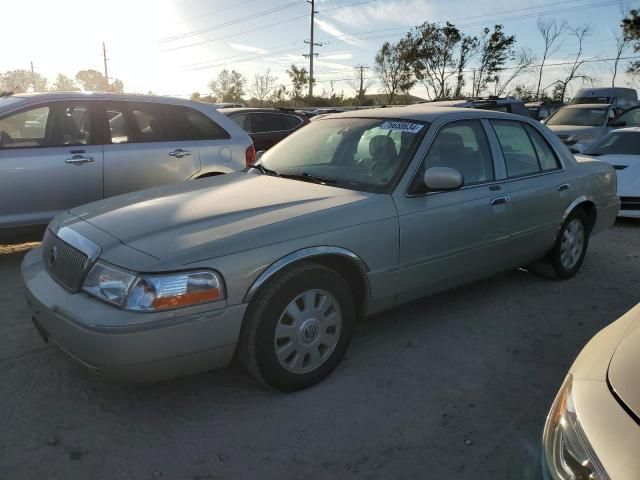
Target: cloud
{"type": "Point", "coordinates": [335, 32]}
{"type": "Point", "coordinates": [335, 66]}
{"type": "Point", "coordinates": [338, 56]}
{"type": "Point", "coordinates": [394, 12]}
{"type": "Point", "coordinates": [247, 48]}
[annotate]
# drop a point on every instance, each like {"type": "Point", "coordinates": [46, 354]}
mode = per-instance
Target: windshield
{"type": "Point", "coordinates": [630, 118]}
{"type": "Point", "coordinates": [583, 117]}
{"type": "Point", "coordinates": [618, 143]}
{"type": "Point", "coordinates": [360, 153]}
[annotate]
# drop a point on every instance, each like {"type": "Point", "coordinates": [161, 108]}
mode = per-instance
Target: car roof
{"type": "Point", "coordinates": [424, 112]}
{"type": "Point", "coordinates": [601, 106]}
{"type": "Point", "coordinates": [226, 111]}
{"type": "Point", "coordinates": [50, 96]}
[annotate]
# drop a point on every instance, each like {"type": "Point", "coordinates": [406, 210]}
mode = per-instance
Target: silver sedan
{"type": "Point", "coordinates": [357, 213]}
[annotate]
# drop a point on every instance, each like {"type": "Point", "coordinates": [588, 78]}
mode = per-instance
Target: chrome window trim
{"type": "Point", "coordinates": [302, 254]}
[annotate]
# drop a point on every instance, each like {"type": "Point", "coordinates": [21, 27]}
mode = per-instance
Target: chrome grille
{"type": "Point", "coordinates": [65, 263]}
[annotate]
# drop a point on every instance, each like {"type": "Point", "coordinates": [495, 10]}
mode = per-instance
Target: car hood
{"type": "Point", "coordinates": [623, 369]}
{"type": "Point", "coordinates": [168, 220]}
{"type": "Point", "coordinates": [628, 171]}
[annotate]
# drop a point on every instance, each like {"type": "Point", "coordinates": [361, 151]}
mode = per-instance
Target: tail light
{"type": "Point", "coordinates": [251, 155]}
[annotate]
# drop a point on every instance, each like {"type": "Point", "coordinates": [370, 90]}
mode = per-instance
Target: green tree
{"type": "Point", "coordinates": [467, 51]}
{"type": "Point", "coordinates": [299, 81]}
{"type": "Point", "coordinates": [631, 28]}
{"type": "Point", "coordinates": [496, 49]}
{"type": "Point", "coordinates": [195, 96]}
{"type": "Point", "coordinates": [434, 56]}
{"type": "Point", "coordinates": [22, 81]}
{"type": "Point", "coordinates": [228, 86]}
{"type": "Point", "coordinates": [394, 67]}
{"type": "Point", "coordinates": [94, 81]}
{"type": "Point", "coordinates": [64, 84]}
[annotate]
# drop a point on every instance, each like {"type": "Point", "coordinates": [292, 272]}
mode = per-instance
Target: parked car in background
{"type": "Point", "coordinates": [266, 126]}
{"type": "Point", "coordinates": [222, 106]}
{"type": "Point", "coordinates": [351, 215]}
{"type": "Point", "coordinates": [622, 97]}
{"type": "Point", "coordinates": [582, 124]}
{"type": "Point", "coordinates": [542, 110]}
{"type": "Point", "coordinates": [61, 150]}
{"type": "Point", "coordinates": [628, 118]}
{"type": "Point", "coordinates": [495, 104]}
{"type": "Point", "coordinates": [621, 149]}
{"type": "Point", "coordinates": [592, 429]}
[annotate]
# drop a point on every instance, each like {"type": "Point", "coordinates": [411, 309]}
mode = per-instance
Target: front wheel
{"type": "Point", "coordinates": [571, 245]}
{"type": "Point", "coordinates": [298, 329]}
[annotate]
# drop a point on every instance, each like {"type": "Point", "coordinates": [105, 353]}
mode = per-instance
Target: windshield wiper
{"type": "Point", "coordinates": [307, 177]}
{"type": "Point", "coordinates": [264, 170]}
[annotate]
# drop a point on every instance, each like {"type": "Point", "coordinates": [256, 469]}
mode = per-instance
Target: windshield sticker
{"type": "Point", "coordinates": [402, 126]}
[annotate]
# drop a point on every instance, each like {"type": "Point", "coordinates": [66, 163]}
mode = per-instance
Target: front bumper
{"type": "Point", "coordinates": [125, 345]}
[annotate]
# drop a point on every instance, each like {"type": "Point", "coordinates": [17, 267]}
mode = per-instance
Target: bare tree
{"type": "Point", "coordinates": [468, 50]}
{"type": "Point", "coordinates": [262, 85]}
{"type": "Point", "coordinates": [551, 33]}
{"type": "Point", "coordinates": [360, 84]}
{"type": "Point", "coordinates": [524, 60]}
{"type": "Point", "coordinates": [580, 33]}
{"type": "Point", "coordinates": [622, 44]}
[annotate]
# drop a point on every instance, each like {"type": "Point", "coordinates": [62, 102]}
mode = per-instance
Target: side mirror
{"type": "Point", "coordinates": [618, 124]}
{"type": "Point", "coordinates": [442, 179]}
{"type": "Point", "coordinates": [578, 148]}
{"type": "Point", "coordinates": [259, 154]}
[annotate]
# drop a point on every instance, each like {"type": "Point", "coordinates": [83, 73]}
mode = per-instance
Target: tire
{"type": "Point", "coordinates": [297, 329]}
{"type": "Point", "coordinates": [568, 253]}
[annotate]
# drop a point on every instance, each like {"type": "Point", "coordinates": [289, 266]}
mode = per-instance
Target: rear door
{"type": "Point", "coordinates": [143, 149]}
{"type": "Point", "coordinates": [50, 160]}
{"type": "Point", "coordinates": [539, 189]}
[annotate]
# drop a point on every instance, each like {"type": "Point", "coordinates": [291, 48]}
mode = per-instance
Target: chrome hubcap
{"type": "Point", "coordinates": [308, 331]}
{"type": "Point", "coordinates": [572, 244]}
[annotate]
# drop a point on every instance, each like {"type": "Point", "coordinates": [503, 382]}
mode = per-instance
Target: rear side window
{"type": "Point", "coordinates": [267, 122]}
{"type": "Point", "coordinates": [147, 123]}
{"type": "Point", "coordinates": [291, 122]}
{"type": "Point", "coordinates": [546, 156]}
{"type": "Point", "coordinates": [519, 154]}
{"type": "Point", "coordinates": [190, 124]}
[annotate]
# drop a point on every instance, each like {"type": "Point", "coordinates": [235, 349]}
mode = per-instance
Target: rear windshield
{"type": "Point", "coordinates": [582, 117]}
{"type": "Point", "coordinates": [586, 100]}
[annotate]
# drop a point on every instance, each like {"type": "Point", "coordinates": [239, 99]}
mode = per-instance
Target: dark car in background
{"type": "Point", "coordinates": [266, 126]}
{"type": "Point", "coordinates": [495, 104]}
{"type": "Point", "coordinates": [542, 110]}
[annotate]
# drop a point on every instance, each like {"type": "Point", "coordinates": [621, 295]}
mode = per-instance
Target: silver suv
{"type": "Point", "coordinates": [61, 150]}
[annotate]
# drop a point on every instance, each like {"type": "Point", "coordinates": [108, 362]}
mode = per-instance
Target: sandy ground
{"type": "Point", "coordinates": [454, 386]}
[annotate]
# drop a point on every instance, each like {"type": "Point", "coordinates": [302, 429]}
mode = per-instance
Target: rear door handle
{"type": "Point", "coordinates": [564, 186]}
{"type": "Point", "coordinates": [500, 200]}
{"type": "Point", "coordinates": [179, 153]}
{"type": "Point", "coordinates": [79, 160]}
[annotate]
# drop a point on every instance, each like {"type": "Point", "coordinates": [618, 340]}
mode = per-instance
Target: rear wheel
{"type": "Point", "coordinates": [298, 328]}
{"type": "Point", "coordinates": [571, 245]}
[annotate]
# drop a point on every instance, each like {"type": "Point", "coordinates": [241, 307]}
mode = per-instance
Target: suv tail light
{"type": "Point", "coordinates": [251, 155]}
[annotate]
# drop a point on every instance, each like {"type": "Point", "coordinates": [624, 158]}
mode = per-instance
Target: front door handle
{"type": "Point", "coordinates": [563, 187]}
{"type": "Point", "coordinates": [179, 153]}
{"type": "Point", "coordinates": [79, 160]}
{"type": "Point", "coordinates": [500, 200]}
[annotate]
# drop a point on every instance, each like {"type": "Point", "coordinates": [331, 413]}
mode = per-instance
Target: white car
{"type": "Point", "coordinates": [593, 429]}
{"type": "Point", "coordinates": [59, 150]}
{"type": "Point", "coordinates": [621, 149]}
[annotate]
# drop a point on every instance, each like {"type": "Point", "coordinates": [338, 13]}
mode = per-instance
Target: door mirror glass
{"type": "Point", "coordinates": [442, 179]}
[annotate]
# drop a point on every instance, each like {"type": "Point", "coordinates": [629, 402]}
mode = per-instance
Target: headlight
{"type": "Point", "coordinates": [153, 292]}
{"type": "Point", "coordinates": [568, 454]}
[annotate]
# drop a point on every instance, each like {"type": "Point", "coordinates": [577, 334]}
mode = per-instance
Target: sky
{"type": "Point", "coordinates": [176, 47]}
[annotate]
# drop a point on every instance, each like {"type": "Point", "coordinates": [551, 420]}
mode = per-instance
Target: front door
{"type": "Point", "coordinates": [49, 162]}
{"type": "Point", "coordinates": [449, 238]}
{"type": "Point", "coordinates": [142, 150]}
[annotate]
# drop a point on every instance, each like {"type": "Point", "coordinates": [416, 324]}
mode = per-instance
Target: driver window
{"type": "Point", "coordinates": [464, 146]}
{"type": "Point", "coordinates": [24, 129]}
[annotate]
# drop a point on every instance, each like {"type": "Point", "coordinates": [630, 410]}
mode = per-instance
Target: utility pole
{"type": "Point", "coordinates": [311, 45]}
{"type": "Point", "coordinates": [33, 78]}
{"type": "Point", "coordinates": [362, 68]}
{"type": "Point", "coordinates": [104, 56]}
